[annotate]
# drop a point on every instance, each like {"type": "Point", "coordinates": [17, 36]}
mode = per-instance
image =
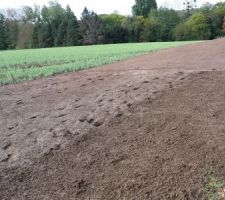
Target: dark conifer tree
{"type": "Point", "coordinates": [3, 36]}
{"type": "Point", "coordinates": [72, 28]}
{"type": "Point", "coordinates": [91, 28]}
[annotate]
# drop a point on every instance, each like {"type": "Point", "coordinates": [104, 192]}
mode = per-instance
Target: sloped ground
{"type": "Point", "coordinates": [151, 127]}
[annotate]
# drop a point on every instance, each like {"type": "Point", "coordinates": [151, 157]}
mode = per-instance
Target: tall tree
{"type": "Point", "coordinates": [3, 44]}
{"type": "Point", "coordinates": [30, 15]}
{"type": "Point", "coordinates": [72, 28]}
{"type": "Point", "coordinates": [45, 36]}
{"type": "Point", "coordinates": [219, 13]}
{"type": "Point", "coordinates": [35, 40]}
{"type": "Point", "coordinates": [199, 28]}
{"type": "Point", "coordinates": [168, 20]}
{"type": "Point", "coordinates": [13, 18]}
{"type": "Point", "coordinates": [91, 28]}
{"type": "Point", "coordinates": [134, 26]}
{"type": "Point", "coordinates": [113, 30]}
{"type": "Point", "coordinates": [152, 28]}
{"type": "Point", "coordinates": [143, 7]}
{"type": "Point", "coordinates": [26, 26]}
{"type": "Point", "coordinates": [190, 5]}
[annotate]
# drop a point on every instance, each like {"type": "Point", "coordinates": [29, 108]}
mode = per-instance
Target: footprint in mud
{"type": "Point", "coordinates": [90, 119]}
{"type": "Point", "coordinates": [7, 93]}
{"type": "Point", "coordinates": [192, 194]}
{"type": "Point", "coordinates": [5, 144]}
{"type": "Point", "coordinates": [12, 126]}
{"type": "Point", "coordinates": [98, 122]}
{"type": "Point", "coordinates": [35, 96]}
{"type": "Point", "coordinates": [65, 81]}
{"type": "Point", "coordinates": [118, 114]}
{"type": "Point", "coordinates": [144, 82]}
{"type": "Point", "coordinates": [78, 106]}
{"type": "Point", "coordinates": [82, 118]}
{"type": "Point", "coordinates": [54, 84]}
{"type": "Point", "coordinates": [180, 73]}
{"type": "Point", "coordinates": [130, 85]}
{"type": "Point", "coordinates": [45, 86]}
{"type": "Point", "coordinates": [61, 107]}
{"type": "Point", "coordinates": [50, 150]}
{"type": "Point", "coordinates": [19, 102]}
{"type": "Point", "coordinates": [64, 120]}
{"type": "Point", "coordinates": [4, 157]}
{"type": "Point", "coordinates": [61, 115]}
{"type": "Point", "coordinates": [123, 90]}
{"type": "Point", "coordinates": [76, 100]}
{"type": "Point", "coordinates": [81, 186]}
{"type": "Point", "coordinates": [136, 88]}
{"type": "Point", "coordinates": [170, 85]}
{"type": "Point", "coordinates": [34, 116]}
{"type": "Point", "coordinates": [60, 131]}
{"type": "Point", "coordinates": [93, 110]}
{"type": "Point", "coordinates": [124, 102]}
{"type": "Point", "coordinates": [101, 78]}
{"type": "Point", "coordinates": [129, 104]}
{"type": "Point", "coordinates": [119, 159]}
{"type": "Point", "coordinates": [81, 139]}
{"type": "Point", "coordinates": [100, 100]}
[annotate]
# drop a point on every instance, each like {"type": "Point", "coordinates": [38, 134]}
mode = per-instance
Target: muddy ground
{"type": "Point", "coordinates": [151, 127]}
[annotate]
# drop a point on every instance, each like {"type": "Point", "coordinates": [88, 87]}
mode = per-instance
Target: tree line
{"type": "Point", "coordinates": [55, 26]}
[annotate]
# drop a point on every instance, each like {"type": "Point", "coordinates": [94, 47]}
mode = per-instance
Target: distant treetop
{"type": "Point", "coordinates": [143, 7]}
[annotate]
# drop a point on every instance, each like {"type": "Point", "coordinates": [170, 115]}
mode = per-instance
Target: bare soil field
{"type": "Point", "coordinates": [151, 127]}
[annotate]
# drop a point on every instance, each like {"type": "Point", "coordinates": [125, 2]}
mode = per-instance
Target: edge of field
{"type": "Point", "coordinates": [18, 75]}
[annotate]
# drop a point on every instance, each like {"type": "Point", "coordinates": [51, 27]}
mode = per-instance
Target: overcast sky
{"type": "Point", "coordinates": [99, 6]}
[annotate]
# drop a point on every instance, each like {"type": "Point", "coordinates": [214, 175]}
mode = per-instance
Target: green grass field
{"type": "Point", "coordinates": [21, 65]}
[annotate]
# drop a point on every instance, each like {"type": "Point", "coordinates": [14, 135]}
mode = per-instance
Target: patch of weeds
{"type": "Point", "coordinates": [215, 188]}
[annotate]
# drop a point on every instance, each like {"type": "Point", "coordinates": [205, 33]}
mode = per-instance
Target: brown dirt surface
{"type": "Point", "coordinates": [151, 127]}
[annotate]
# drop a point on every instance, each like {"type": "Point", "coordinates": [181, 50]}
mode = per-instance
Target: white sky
{"type": "Point", "coordinates": [99, 6]}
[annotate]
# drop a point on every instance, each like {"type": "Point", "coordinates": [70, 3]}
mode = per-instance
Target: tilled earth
{"type": "Point", "coordinates": [151, 127]}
